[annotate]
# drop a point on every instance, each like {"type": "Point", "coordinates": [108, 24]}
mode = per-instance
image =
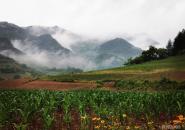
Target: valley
{"type": "Point", "coordinates": [88, 84]}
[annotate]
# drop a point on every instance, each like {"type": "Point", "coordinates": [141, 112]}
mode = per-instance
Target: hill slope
{"type": "Point", "coordinates": [7, 47]}
{"type": "Point", "coordinates": [9, 68]}
{"type": "Point", "coordinates": [168, 64]}
{"type": "Point", "coordinates": [172, 68]}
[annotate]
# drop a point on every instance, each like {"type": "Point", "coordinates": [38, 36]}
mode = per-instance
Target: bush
{"type": "Point", "coordinates": [17, 77]}
{"type": "Point", "coordinates": [99, 84]}
{"type": "Point", "coordinates": [119, 83]}
{"type": "Point", "coordinates": [65, 80]}
{"type": "Point", "coordinates": [131, 84]}
{"type": "Point", "coordinates": [165, 83]}
{"type": "Point", "coordinates": [181, 86]}
{"type": "Point", "coordinates": [164, 80]}
{"type": "Point", "coordinates": [162, 84]}
{"type": "Point", "coordinates": [1, 79]}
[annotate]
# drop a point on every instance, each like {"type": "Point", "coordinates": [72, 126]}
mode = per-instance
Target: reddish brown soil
{"type": "Point", "coordinates": [49, 85]}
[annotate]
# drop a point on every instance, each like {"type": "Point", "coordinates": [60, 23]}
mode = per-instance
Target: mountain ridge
{"type": "Point", "coordinates": [44, 45]}
{"type": "Point", "coordinates": [14, 32]}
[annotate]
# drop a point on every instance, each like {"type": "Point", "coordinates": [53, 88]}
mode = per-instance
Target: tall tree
{"type": "Point", "coordinates": [169, 47]}
{"type": "Point", "coordinates": [179, 43]}
{"type": "Point", "coordinates": [150, 54]}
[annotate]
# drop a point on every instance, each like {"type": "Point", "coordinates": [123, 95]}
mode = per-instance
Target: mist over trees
{"type": "Point", "coordinates": [173, 48]}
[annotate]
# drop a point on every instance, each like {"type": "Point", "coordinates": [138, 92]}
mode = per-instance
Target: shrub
{"type": "Point", "coordinates": [17, 77]}
{"type": "Point", "coordinates": [1, 79]}
{"type": "Point", "coordinates": [99, 84]}
{"type": "Point", "coordinates": [65, 80]}
{"type": "Point", "coordinates": [165, 83]}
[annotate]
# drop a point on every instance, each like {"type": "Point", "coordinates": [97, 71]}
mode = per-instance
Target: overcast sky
{"type": "Point", "coordinates": [160, 19]}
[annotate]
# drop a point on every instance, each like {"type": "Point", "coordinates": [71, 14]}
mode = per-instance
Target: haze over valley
{"type": "Point", "coordinates": [92, 64]}
{"type": "Point", "coordinates": [54, 47]}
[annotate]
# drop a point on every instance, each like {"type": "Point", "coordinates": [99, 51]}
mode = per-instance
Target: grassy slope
{"type": "Point", "coordinates": [9, 68]}
{"type": "Point", "coordinates": [172, 63]}
{"type": "Point", "coordinates": [173, 68]}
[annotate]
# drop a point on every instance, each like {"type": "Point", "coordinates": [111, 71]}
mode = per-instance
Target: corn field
{"type": "Point", "coordinates": [90, 109]}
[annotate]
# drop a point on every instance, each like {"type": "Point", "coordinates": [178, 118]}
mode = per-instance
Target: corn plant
{"type": "Point", "coordinates": [29, 105]}
{"type": "Point", "coordinates": [20, 126]}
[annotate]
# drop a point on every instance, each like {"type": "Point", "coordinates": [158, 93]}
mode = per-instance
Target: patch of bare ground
{"type": "Point", "coordinates": [49, 85]}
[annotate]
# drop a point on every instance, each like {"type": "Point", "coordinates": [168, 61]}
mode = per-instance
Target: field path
{"type": "Point", "coordinates": [49, 85]}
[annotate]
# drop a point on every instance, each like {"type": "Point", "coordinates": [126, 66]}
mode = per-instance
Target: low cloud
{"type": "Point", "coordinates": [37, 58]}
{"type": "Point", "coordinates": [142, 41]}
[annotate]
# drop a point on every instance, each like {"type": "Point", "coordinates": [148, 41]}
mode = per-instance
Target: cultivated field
{"type": "Point", "coordinates": [91, 109]}
{"type": "Point", "coordinates": [149, 96]}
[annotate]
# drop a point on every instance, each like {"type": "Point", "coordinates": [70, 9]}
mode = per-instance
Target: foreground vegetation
{"type": "Point", "coordinates": [146, 85]}
{"type": "Point", "coordinates": [92, 109]}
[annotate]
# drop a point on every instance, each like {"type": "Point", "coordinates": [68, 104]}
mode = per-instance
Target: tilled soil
{"type": "Point", "coordinates": [40, 84]}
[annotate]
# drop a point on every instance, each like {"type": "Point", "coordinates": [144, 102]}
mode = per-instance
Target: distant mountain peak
{"type": "Point", "coordinates": [6, 24]}
{"type": "Point", "coordinates": [119, 46]}
{"type": "Point", "coordinates": [118, 43]}
{"type": "Point", "coordinates": [118, 39]}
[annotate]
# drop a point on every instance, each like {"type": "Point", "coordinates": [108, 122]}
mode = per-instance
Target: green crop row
{"type": "Point", "coordinates": [161, 85]}
{"type": "Point", "coordinates": [18, 108]}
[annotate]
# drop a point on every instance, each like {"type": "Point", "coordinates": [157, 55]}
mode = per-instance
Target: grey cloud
{"type": "Point", "coordinates": [161, 19]}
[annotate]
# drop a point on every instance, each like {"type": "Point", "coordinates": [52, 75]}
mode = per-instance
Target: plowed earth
{"type": "Point", "coordinates": [40, 84]}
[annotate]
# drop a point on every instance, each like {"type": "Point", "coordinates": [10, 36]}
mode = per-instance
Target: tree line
{"type": "Point", "coordinates": [177, 47]}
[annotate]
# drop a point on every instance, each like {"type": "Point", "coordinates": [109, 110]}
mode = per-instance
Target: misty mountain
{"type": "Point", "coordinates": [12, 31]}
{"type": "Point", "coordinates": [48, 44]}
{"type": "Point", "coordinates": [55, 47]}
{"type": "Point", "coordinates": [115, 52]}
{"type": "Point", "coordinates": [86, 48]}
{"type": "Point", "coordinates": [43, 42]}
{"type": "Point", "coordinates": [106, 60]}
{"type": "Point", "coordinates": [7, 48]}
{"type": "Point", "coordinates": [64, 37]}
{"type": "Point", "coordinates": [119, 47]}
{"type": "Point", "coordinates": [41, 30]}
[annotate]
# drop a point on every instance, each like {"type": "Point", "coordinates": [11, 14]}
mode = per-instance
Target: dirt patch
{"type": "Point", "coordinates": [13, 83]}
{"type": "Point", "coordinates": [40, 84]}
